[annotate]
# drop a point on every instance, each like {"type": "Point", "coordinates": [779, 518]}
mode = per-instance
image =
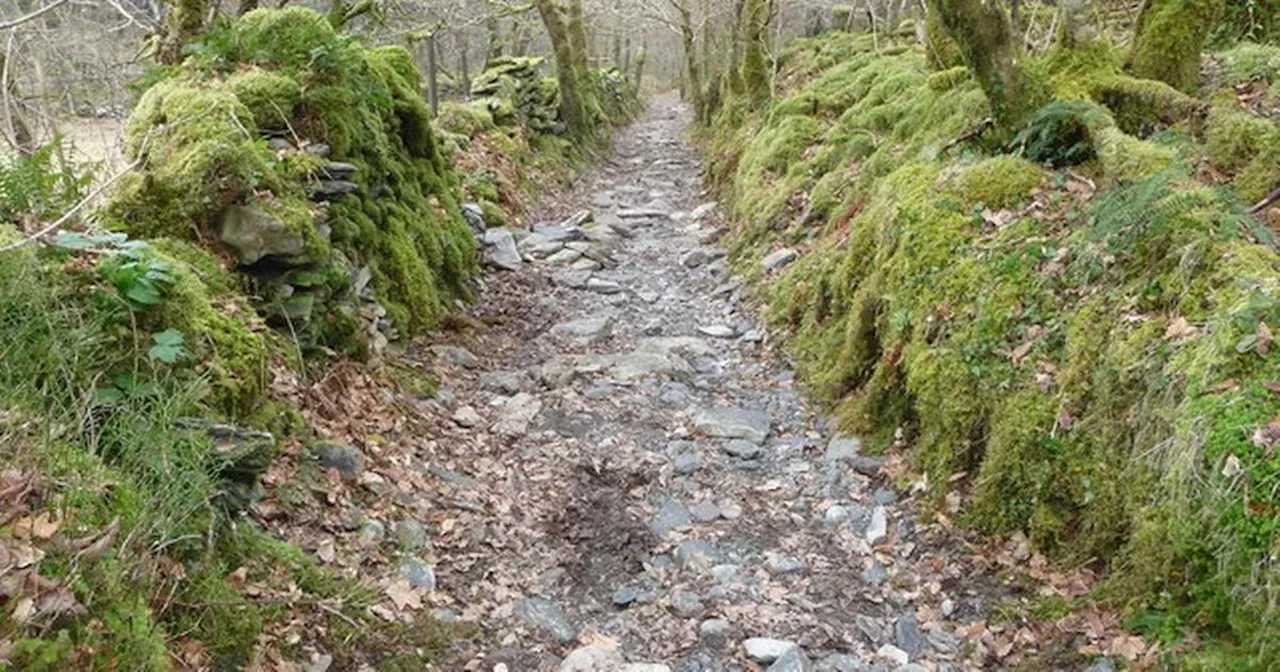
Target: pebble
{"type": "Point", "coordinates": [743, 449]}
{"type": "Point", "coordinates": [419, 574]}
{"type": "Point", "coordinates": [705, 512]}
{"type": "Point", "coordinates": [885, 496]}
{"type": "Point", "coordinates": [594, 658]}
{"type": "Point", "coordinates": [793, 660]}
{"type": "Point", "coordinates": [503, 382]}
{"type": "Point", "coordinates": [671, 515]}
{"type": "Point", "coordinates": [410, 535]}
{"type": "Point", "coordinates": [457, 356]}
{"type": "Point", "coordinates": [501, 252]}
{"type": "Point", "coordinates": [348, 461]}
{"type": "Point", "coordinates": [686, 604]}
{"type": "Point", "coordinates": [547, 616]}
{"type": "Point", "coordinates": [733, 423]}
{"type": "Point", "coordinates": [843, 448]}
{"type": "Point", "coordinates": [729, 510]}
{"type": "Point", "coordinates": [714, 629]}
{"type": "Point", "coordinates": [571, 279]}
{"type": "Point", "coordinates": [601, 286]}
{"type": "Point", "coordinates": [371, 532]}
{"type": "Point", "coordinates": [778, 564]}
{"type": "Point", "coordinates": [942, 641]}
{"type": "Point", "coordinates": [878, 529]}
{"type": "Point", "coordinates": [686, 463]}
{"type": "Point", "coordinates": [765, 650]}
{"type": "Point", "coordinates": [907, 635]}
{"type": "Point", "coordinates": [948, 607]}
{"type": "Point", "coordinates": [836, 515]}
{"type": "Point", "coordinates": [466, 417]}
{"type": "Point", "coordinates": [779, 259]}
{"type": "Point", "coordinates": [893, 654]}
{"type": "Point", "coordinates": [839, 662]}
{"type": "Point", "coordinates": [718, 331]}
{"type": "Point", "coordinates": [875, 574]}
{"type": "Point", "coordinates": [517, 413]}
{"type": "Point", "coordinates": [628, 595]}
{"type": "Point", "coordinates": [695, 553]}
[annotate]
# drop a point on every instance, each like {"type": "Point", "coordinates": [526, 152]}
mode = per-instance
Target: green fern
{"type": "Point", "coordinates": [1058, 135]}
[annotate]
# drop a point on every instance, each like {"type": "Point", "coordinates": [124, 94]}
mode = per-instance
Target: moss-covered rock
{"type": "Point", "coordinates": [1089, 353]}
{"type": "Point", "coordinates": [204, 134]}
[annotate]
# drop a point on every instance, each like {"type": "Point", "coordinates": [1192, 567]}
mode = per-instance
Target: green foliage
{"type": "Point", "coordinates": [1170, 37]}
{"type": "Point", "coordinates": [1058, 135]}
{"type": "Point", "coordinates": [999, 182]}
{"type": "Point", "coordinates": [168, 347]}
{"type": "Point", "coordinates": [1248, 61]}
{"type": "Point", "coordinates": [1095, 364]}
{"type": "Point", "coordinates": [39, 186]}
{"type": "Point", "coordinates": [1247, 146]}
{"type": "Point", "coordinates": [1256, 20]}
{"type": "Point", "coordinates": [273, 69]}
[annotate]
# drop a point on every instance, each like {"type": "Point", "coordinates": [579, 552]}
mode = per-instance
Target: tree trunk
{"type": "Point", "coordinates": [464, 65]}
{"type": "Point", "coordinates": [571, 107]}
{"type": "Point", "coordinates": [988, 46]}
{"type": "Point", "coordinates": [16, 129]}
{"type": "Point", "coordinates": [735, 49]}
{"type": "Point", "coordinates": [1075, 24]}
{"type": "Point", "coordinates": [692, 75]}
{"type": "Point", "coordinates": [641, 57]}
{"type": "Point", "coordinates": [814, 23]}
{"type": "Point", "coordinates": [183, 23]}
{"type": "Point", "coordinates": [1170, 36]}
{"type": "Point", "coordinates": [578, 36]}
{"type": "Point", "coordinates": [519, 38]}
{"type": "Point", "coordinates": [755, 58]}
{"type": "Point", "coordinates": [246, 6]}
{"type": "Point", "coordinates": [626, 57]}
{"type": "Point", "coordinates": [433, 90]}
{"type": "Point", "coordinates": [494, 25]}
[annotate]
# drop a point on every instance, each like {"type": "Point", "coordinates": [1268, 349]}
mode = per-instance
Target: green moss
{"type": "Point", "coordinates": [1171, 34]}
{"type": "Point", "coordinates": [1248, 61]}
{"type": "Point", "coordinates": [941, 49]}
{"type": "Point", "coordinates": [467, 119]}
{"type": "Point", "coordinates": [999, 182]}
{"type": "Point", "coordinates": [289, 69]}
{"type": "Point", "coordinates": [1044, 357]}
{"type": "Point", "coordinates": [494, 215]}
{"type": "Point", "coordinates": [270, 96]}
{"type": "Point", "coordinates": [948, 79]}
{"type": "Point", "coordinates": [1236, 137]}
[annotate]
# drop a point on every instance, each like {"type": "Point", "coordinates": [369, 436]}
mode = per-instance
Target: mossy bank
{"type": "Point", "coordinates": [1074, 322]}
{"type": "Point", "coordinates": [295, 210]}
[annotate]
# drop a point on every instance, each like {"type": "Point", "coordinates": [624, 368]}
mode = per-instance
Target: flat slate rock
{"type": "Point", "coordinates": [548, 617]}
{"type": "Point", "coordinates": [733, 423]}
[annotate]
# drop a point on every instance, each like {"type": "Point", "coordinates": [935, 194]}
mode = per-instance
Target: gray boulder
{"type": "Point", "coordinates": [253, 235]}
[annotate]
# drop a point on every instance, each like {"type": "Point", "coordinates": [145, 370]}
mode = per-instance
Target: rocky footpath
{"type": "Point", "coordinates": [633, 481]}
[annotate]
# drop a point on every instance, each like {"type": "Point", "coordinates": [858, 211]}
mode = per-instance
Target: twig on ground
{"type": "Point", "coordinates": [1262, 205]}
{"type": "Point", "coordinates": [971, 134]}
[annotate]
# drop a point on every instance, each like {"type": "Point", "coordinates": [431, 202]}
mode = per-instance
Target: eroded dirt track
{"type": "Point", "coordinates": [627, 460]}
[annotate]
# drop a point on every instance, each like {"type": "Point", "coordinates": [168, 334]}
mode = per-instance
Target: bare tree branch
{"type": "Point", "coordinates": [33, 15]}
